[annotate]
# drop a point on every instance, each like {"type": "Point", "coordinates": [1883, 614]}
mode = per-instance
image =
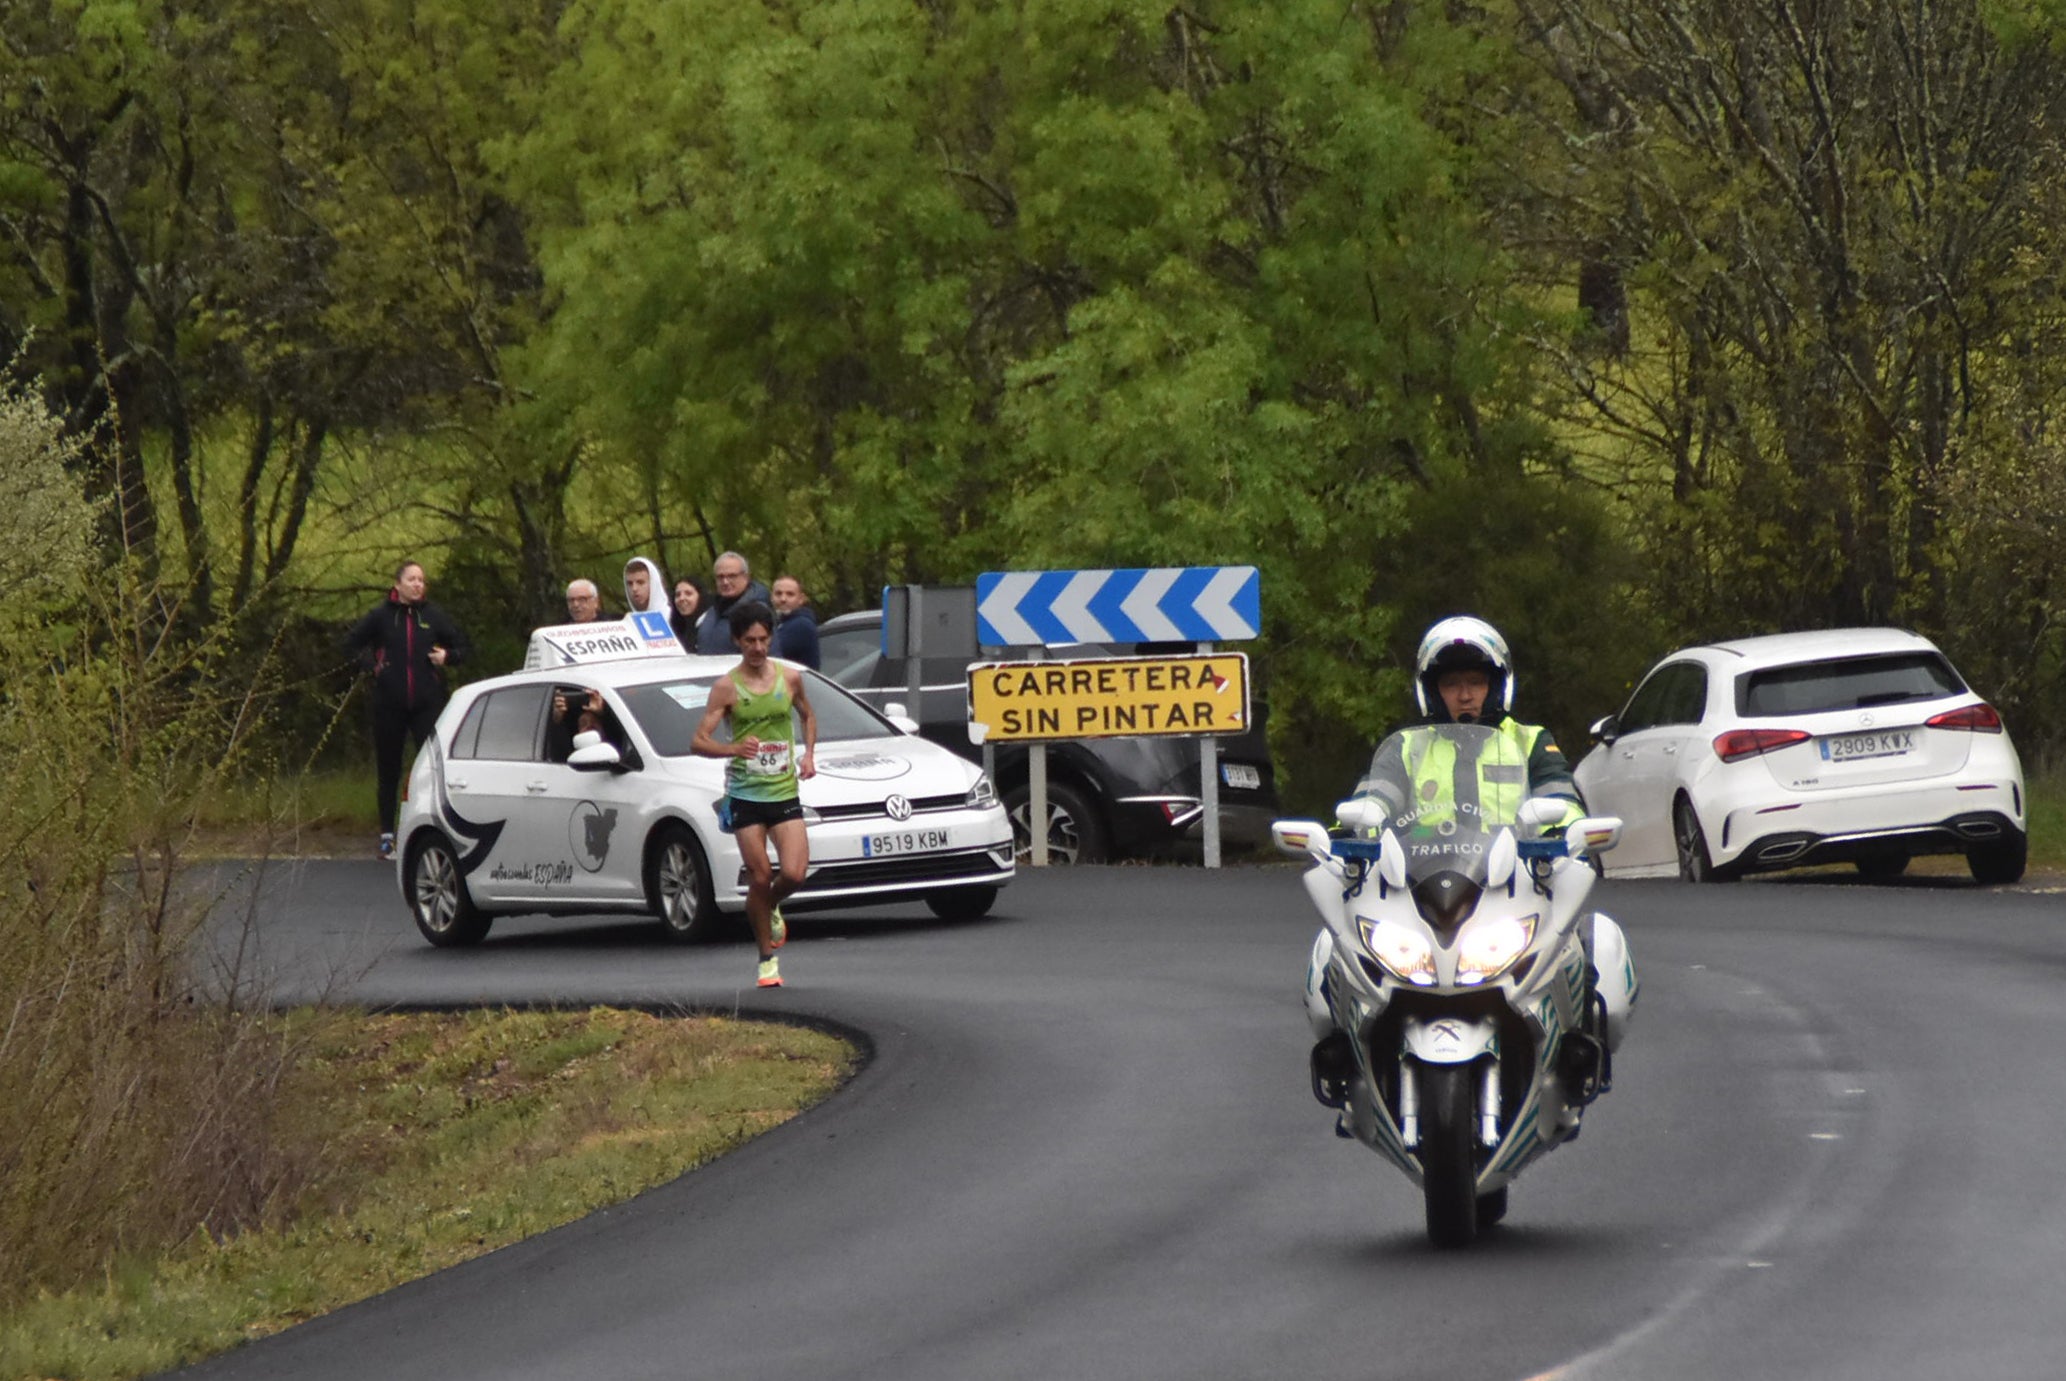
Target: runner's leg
{"type": "Point", "coordinates": [792, 843]}
{"type": "Point", "coordinates": [760, 899]}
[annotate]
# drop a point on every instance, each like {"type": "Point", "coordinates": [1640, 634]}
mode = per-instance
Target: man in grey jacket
{"type": "Point", "coordinates": [735, 586]}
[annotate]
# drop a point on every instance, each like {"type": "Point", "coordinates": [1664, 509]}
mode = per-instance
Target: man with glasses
{"type": "Point", "coordinates": [735, 587]}
{"type": "Point", "coordinates": [584, 603]}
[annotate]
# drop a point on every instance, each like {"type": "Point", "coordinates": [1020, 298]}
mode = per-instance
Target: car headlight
{"type": "Point", "coordinates": [1400, 948]}
{"type": "Point", "coordinates": [1488, 948]}
{"type": "Point", "coordinates": [982, 795]}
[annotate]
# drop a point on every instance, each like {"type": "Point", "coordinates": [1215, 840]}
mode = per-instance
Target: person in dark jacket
{"type": "Point", "coordinates": [796, 625]}
{"type": "Point", "coordinates": [689, 600]}
{"type": "Point", "coordinates": [406, 642]}
{"type": "Point", "coordinates": [735, 586]}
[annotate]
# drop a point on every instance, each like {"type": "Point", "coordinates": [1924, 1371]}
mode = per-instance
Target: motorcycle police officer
{"type": "Point", "coordinates": [1462, 674]}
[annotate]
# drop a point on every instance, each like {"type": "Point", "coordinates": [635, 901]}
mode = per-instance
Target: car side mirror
{"type": "Point", "coordinates": [1606, 729]}
{"type": "Point", "coordinates": [1592, 834]}
{"type": "Point", "coordinates": [592, 753]}
{"type": "Point", "coordinates": [895, 713]}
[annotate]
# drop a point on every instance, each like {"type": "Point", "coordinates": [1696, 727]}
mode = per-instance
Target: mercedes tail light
{"type": "Point", "coordinates": [1981, 719]}
{"type": "Point", "coordinates": [1748, 743]}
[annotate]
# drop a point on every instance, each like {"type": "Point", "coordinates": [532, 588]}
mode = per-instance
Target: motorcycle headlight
{"type": "Point", "coordinates": [1403, 950]}
{"type": "Point", "coordinates": [982, 795]}
{"type": "Point", "coordinates": [1488, 948]}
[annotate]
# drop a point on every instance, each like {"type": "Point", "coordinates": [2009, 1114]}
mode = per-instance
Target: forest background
{"type": "Point", "coordinates": [1622, 323]}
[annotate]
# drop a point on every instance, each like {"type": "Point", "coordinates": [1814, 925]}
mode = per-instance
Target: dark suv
{"type": "Point", "coordinates": [1106, 798]}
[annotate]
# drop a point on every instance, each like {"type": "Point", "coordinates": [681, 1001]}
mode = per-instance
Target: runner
{"type": "Point", "coordinates": [761, 795]}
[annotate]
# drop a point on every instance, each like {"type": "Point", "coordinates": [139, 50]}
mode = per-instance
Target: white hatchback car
{"type": "Point", "coordinates": [1857, 745]}
{"type": "Point", "coordinates": [504, 814]}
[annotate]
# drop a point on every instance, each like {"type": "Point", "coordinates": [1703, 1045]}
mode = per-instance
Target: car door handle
{"type": "Point", "coordinates": [1671, 749]}
{"type": "Point", "coordinates": [535, 786]}
{"type": "Point", "coordinates": [455, 783]}
{"type": "Point", "coordinates": [1628, 752]}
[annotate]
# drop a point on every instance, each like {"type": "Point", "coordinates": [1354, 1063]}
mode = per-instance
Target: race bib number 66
{"type": "Point", "coordinates": [772, 760]}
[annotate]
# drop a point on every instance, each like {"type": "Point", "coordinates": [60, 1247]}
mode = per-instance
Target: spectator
{"type": "Point", "coordinates": [406, 642]}
{"type": "Point", "coordinates": [584, 602]}
{"type": "Point", "coordinates": [689, 600]}
{"type": "Point", "coordinates": [796, 625]}
{"type": "Point", "coordinates": [735, 586]}
{"type": "Point", "coordinates": [645, 587]}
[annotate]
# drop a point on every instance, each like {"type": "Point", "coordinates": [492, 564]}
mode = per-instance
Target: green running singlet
{"type": "Point", "coordinates": [769, 775]}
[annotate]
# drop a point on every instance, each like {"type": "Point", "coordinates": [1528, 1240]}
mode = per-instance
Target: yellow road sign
{"type": "Point", "coordinates": [1113, 697]}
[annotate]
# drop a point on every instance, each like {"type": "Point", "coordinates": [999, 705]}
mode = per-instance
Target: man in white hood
{"type": "Point", "coordinates": [645, 587]}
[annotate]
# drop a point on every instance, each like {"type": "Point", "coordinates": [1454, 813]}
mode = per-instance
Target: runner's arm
{"type": "Point", "coordinates": [807, 765]}
{"type": "Point", "coordinates": [722, 698]}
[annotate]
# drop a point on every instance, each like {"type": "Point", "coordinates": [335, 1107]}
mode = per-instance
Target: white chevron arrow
{"type": "Point", "coordinates": [1001, 609]}
{"type": "Point", "coordinates": [1215, 603]}
{"type": "Point", "coordinates": [1140, 607]}
{"type": "Point", "coordinates": [1072, 607]}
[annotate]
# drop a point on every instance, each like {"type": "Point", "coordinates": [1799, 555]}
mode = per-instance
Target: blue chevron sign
{"type": "Point", "coordinates": [1192, 604]}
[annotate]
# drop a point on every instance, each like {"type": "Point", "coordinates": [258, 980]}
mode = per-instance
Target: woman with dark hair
{"type": "Point", "coordinates": [689, 604]}
{"type": "Point", "coordinates": [406, 642]}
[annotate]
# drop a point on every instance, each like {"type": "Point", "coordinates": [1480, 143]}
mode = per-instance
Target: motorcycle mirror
{"type": "Point", "coordinates": [1391, 860]}
{"type": "Point", "coordinates": [1360, 814]}
{"type": "Point", "coordinates": [1592, 834]}
{"type": "Point", "coordinates": [1300, 838]}
{"type": "Point", "coordinates": [1499, 862]}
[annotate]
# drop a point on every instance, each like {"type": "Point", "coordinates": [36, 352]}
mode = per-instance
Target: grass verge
{"type": "Point", "coordinates": [447, 1136]}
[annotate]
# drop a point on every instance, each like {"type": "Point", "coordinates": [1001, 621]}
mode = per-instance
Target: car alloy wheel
{"type": "Point", "coordinates": [1694, 863]}
{"type": "Point", "coordinates": [437, 895]}
{"type": "Point", "coordinates": [678, 886]}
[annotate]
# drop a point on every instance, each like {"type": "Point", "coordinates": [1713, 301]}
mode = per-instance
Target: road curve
{"type": "Point", "coordinates": [1083, 1148]}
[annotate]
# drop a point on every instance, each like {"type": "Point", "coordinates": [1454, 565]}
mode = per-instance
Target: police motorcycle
{"type": "Point", "coordinates": [1470, 1002]}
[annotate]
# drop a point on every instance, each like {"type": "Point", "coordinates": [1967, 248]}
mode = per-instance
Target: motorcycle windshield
{"type": "Point", "coordinates": [1446, 790]}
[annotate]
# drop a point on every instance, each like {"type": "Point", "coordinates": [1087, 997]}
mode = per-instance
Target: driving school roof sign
{"type": "Point", "coordinates": [604, 640]}
{"type": "Point", "coordinates": [1113, 697]}
{"type": "Point", "coordinates": [1191, 604]}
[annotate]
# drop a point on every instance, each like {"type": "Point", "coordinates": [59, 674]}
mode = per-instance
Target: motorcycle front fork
{"type": "Point", "coordinates": [1409, 1103]}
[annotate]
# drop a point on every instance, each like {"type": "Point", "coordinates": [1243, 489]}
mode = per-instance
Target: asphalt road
{"type": "Point", "coordinates": [1083, 1147]}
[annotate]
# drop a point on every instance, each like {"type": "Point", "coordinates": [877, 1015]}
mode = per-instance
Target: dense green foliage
{"type": "Point", "coordinates": [1622, 322]}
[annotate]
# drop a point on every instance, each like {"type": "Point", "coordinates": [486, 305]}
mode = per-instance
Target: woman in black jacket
{"type": "Point", "coordinates": [407, 642]}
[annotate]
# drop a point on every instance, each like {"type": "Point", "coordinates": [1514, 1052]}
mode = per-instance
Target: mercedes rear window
{"type": "Point", "coordinates": [1853, 683]}
{"type": "Point", "coordinates": [669, 712]}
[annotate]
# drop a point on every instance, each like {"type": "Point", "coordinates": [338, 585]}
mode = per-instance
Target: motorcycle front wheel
{"type": "Point", "coordinates": [1448, 1153]}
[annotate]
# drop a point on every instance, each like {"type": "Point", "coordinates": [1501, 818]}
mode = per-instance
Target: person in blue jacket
{"type": "Point", "coordinates": [796, 625]}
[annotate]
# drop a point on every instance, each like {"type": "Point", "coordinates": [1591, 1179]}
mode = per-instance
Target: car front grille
{"type": "Point", "coordinates": [866, 810]}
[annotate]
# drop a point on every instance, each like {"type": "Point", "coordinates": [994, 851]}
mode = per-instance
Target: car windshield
{"type": "Point", "coordinates": [668, 712]}
{"type": "Point", "coordinates": [1445, 790]}
{"type": "Point", "coordinates": [1855, 683]}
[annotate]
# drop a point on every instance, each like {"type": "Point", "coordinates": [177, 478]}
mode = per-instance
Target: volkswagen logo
{"type": "Point", "coordinates": [897, 808]}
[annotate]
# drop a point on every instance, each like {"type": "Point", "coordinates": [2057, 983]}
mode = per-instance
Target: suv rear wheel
{"type": "Point", "coordinates": [1076, 832]}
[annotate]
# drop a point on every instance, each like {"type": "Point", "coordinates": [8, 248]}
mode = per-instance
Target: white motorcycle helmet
{"type": "Point", "coordinates": [1458, 644]}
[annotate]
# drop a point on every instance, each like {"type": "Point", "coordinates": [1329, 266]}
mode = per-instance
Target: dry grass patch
{"type": "Point", "coordinates": [445, 1136]}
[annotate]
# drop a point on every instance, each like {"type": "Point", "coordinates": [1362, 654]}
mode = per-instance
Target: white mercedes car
{"type": "Point", "coordinates": [1858, 746]}
{"type": "Point", "coordinates": [506, 812]}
